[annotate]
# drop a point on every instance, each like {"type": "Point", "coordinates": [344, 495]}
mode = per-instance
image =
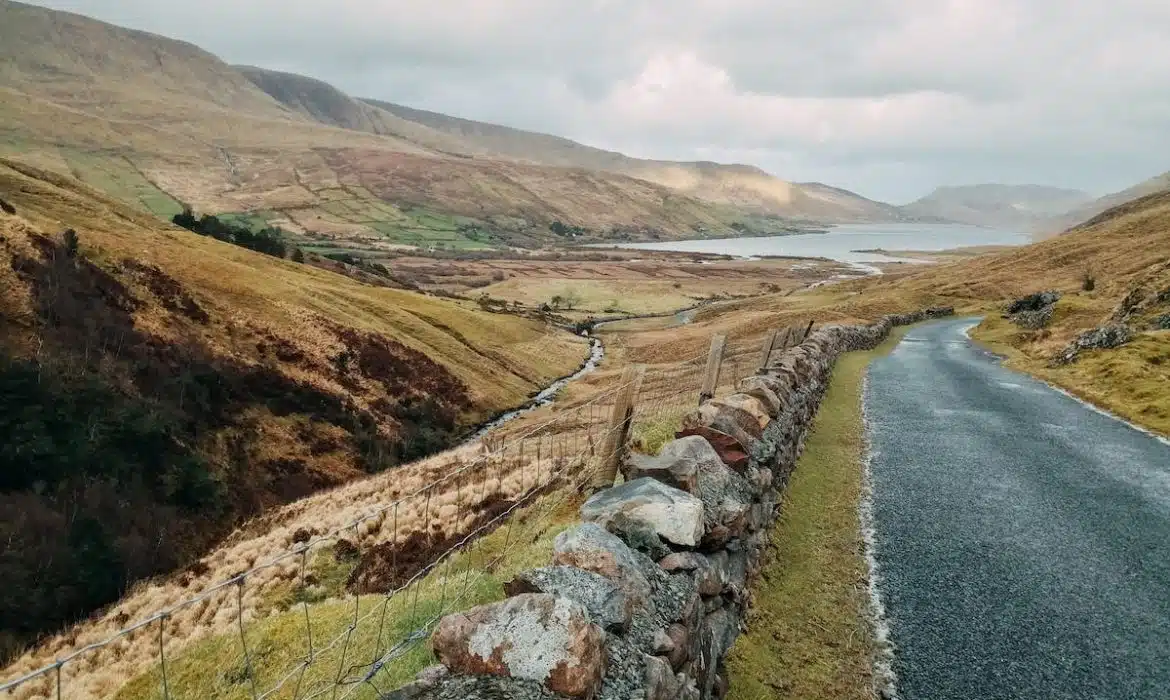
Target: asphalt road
{"type": "Point", "coordinates": [1023, 539]}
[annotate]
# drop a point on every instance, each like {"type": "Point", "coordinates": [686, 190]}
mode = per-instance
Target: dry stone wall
{"type": "Point", "coordinates": [645, 597]}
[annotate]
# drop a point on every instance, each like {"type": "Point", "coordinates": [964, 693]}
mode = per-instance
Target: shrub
{"type": "Point", "coordinates": [1088, 280]}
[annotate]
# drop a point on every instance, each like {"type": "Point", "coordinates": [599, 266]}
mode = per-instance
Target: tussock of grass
{"type": "Point", "coordinates": [649, 435]}
{"type": "Point", "coordinates": [808, 636]}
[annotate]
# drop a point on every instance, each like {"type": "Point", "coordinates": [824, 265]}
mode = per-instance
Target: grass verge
{"type": "Point", "coordinates": [809, 635]}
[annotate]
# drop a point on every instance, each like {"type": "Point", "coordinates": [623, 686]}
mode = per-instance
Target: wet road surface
{"type": "Point", "coordinates": [1023, 539]}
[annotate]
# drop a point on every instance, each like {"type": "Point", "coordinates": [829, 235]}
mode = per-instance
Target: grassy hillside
{"type": "Point", "coordinates": [1096, 207]}
{"type": "Point", "coordinates": [160, 386]}
{"type": "Point", "coordinates": [160, 124]}
{"type": "Point", "coordinates": [734, 185]}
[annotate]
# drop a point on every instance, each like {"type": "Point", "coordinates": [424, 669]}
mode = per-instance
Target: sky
{"type": "Point", "coordinates": [889, 98]}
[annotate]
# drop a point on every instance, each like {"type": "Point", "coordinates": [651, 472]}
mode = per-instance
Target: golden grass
{"type": "Point", "coordinates": [502, 359]}
{"type": "Point", "coordinates": [809, 635]}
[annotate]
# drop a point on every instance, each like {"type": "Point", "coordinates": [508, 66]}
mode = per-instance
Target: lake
{"type": "Point", "coordinates": [842, 242]}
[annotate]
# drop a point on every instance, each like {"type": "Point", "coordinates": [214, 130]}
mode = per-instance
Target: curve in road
{"type": "Point", "coordinates": [1022, 538]}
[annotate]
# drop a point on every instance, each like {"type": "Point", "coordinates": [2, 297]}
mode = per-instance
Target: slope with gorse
{"type": "Point", "coordinates": [159, 386]}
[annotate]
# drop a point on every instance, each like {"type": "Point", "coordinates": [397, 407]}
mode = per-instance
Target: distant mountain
{"type": "Point", "coordinates": [1090, 209]}
{"type": "Point", "coordinates": [727, 184]}
{"type": "Point", "coordinates": [1001, 206]}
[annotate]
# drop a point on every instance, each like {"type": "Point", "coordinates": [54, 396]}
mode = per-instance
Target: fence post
{"type": "Point", "coordinates": [766, 353]}
{"type": "Point", "coordinates": [619, 428]}
{"type": "Point", "coordinates": [807, 332]}
{"type": "Point", "coordinates": [711, 375]}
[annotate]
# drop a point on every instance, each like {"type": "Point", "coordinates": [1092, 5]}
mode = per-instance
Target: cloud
{"type": "Point", "coordinates": [888, 97]}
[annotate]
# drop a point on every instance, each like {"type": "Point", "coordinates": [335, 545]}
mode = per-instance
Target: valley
{"type": "Point", "coordinates": [269, 352]}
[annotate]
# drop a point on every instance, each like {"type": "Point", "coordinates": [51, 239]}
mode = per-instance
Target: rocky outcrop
{"type": "Point", "coordinates": [645, 598]}
{"type": "Point", "coordinates": [1103, 338]}
{"type": "Point", "coordinates": [1033, 311]}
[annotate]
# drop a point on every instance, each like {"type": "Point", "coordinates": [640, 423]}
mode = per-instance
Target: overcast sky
{"type": "Point", "coordinates": [886, 97]}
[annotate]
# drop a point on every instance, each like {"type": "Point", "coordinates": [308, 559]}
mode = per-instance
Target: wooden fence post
{"type": "Point", "coordinates": [769, 346]}
{"type": "Point", "coordinates": [807, 332]}
{"type": "Point", "coordinates": [619, 428]}
{"type": "Point", "coordinates": [711, 375]}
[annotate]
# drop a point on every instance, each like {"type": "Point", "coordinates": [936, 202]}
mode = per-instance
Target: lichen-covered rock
{"type": "Point", "coordinates": [1162, 322]}
{"type": "Point", "coordinates": [1103, 338]}
{"type": "Point", "coordinates": [592, 548]}
{"type": "Point", "coordinates": [607, 603]}
{"type": "Point", "coordinates": [734, 421]}
{"type": "Point", "coordinates": [663, 684]}
{"type": "Point", "coordinates": [674, 515]}
{"type": "Point", "coordinates": [536, 637]}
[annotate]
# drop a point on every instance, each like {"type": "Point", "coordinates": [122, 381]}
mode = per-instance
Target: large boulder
{"type": "Point", "coordinates": [607, 603]}
{"type": "Point", "coordinates": [674, 515]}
{"type": "Point", "coordinates": [537, 637]}
{"type": "Point", "coordinates": [736, 422]}
{"type": "Point", "coordinates": [592, 548]}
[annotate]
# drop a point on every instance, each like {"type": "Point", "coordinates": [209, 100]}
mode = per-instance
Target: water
{"type": "Point", "coordinates": [544, 398]}
{"type": "Point", "coordinates": [842, 242]}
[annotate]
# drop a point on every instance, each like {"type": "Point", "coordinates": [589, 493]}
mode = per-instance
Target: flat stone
{"type": "Point", "coordinates": [682, 561]}
{"type": "Point", "coordinates": [590, 547]}
{"type": "Point", "coordinates": [674, 515]}
{"type": "Point", "coordinates": [607, 603]}
{"type": "Point", "coordinates": [537, 637]}
{"type": "Point", "coordinates": [661, 682]}
{"type": "Point", "coordinates": [681, 637]}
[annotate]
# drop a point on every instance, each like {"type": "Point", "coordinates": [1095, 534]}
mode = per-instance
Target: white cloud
{"type": "Point", "coordinates": [889, 97]}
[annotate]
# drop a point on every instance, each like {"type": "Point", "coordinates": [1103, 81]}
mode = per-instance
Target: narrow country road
{"type": "Point", "coordinates": [1023, 539]}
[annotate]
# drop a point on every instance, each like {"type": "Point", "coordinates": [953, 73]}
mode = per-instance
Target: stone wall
{"type": "Point", "coordinates": [645, 597]}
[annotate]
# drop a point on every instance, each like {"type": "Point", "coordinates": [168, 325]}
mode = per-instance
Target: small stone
{"type": "Point", "coordinates": [660, 681]}
{"type": "Point", "coordinates": [674, 515]}
{"type": "Point", "coordinates": [431, 675]}
{"type": "Point", "coordinates": [663, 644]}
{"type": "Point", "coordinates": [536, 637]}
{"type": "Point", "coordinates": [607, 603]}
{"type": "Point", "coordinates": [638, 535]}
{"type": "Point", "coordinates": [682, 561]}
{"type": "Point", "coordinates": [591, 548]}
{"type": "Point", "coordinates": [680, 636]}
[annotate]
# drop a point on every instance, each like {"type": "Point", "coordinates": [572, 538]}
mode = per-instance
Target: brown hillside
{"type": "Point", "coordinates": [159, 386]}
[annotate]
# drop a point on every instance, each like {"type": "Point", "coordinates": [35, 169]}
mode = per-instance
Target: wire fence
{"type": "Point", "coordinates": [336, 595]}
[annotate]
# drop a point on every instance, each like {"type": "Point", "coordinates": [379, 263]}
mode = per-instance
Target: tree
{"type": "Point", "coordinates": [571, 298]}
{"type": "Point", "coordinates": [298, 255]}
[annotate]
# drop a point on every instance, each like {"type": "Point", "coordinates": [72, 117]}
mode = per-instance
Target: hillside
{"type": "Point", "coordinates": [161, 124]}
{"type": "Point", "coordinates": [160, 386]}
{"type": "Point", "coordinates": [737, 185]}
{"type": "Point", "coordinates": [998, 206]}
{"type": "Point", "coordinates": [1093, 208]}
